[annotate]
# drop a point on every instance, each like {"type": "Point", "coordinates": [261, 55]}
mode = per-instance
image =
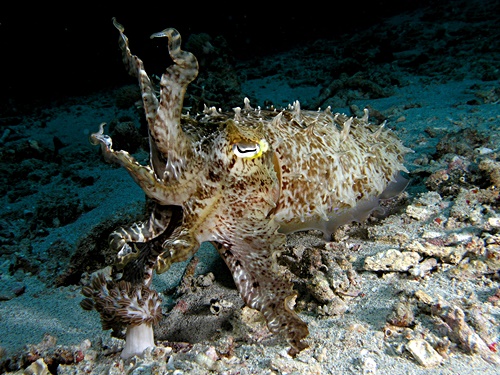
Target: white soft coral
{"type": "Point", "coordinates": [137, 340]}
{"type": "Point", "coordinates": [122, 304]}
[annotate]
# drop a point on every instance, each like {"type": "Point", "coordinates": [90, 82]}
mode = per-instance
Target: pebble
{"type": "Point", "coordinates": [419, 213]}
{"type": "Point", "coordinates": [423, 268]}
{"type": "Point", "coordinates": [424, 353]}
{"type": "Point", "coordinates": [494, 222]}
{"type": "Point", "coordinates": [39, 367]}
{"type": "Point", "coordinates": [11, 289]}
{"type": "Point", "coordinates": [424, 297]}
{"type": "Point", "coordinates": [368, 364]}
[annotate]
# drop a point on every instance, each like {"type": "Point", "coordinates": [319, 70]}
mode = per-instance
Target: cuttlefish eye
{"type": "Point", "coordinates": [250, 150]}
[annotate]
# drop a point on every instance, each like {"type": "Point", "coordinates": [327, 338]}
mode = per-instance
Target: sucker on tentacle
{"type": "Point", "coordinates": [244, 179]}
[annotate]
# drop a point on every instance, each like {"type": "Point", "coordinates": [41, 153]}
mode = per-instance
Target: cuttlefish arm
{"type": "Point", "coordinates": [252, 262]}
{"type": "Point", "coordinates": [162, 221]}
{"type": "Point", "coordinates": [143, 175]}
{"type": "Point", "coordinates": [173, 144]}
{"type": "Point", "coordinates": [168, 145]}
{"type": "Point", "coordinates": [135, 68]}
{"type": "Point", "coordinates": [166, 217]}
{"type": "Point", "coordinates": [141, 245]}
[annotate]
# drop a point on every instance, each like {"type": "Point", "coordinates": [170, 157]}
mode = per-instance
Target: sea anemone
{"type": "Point", "coordinates": [121, 305]}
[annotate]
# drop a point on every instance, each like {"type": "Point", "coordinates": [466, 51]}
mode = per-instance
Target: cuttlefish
{"type": "Point", "coordinates": [244, 179]}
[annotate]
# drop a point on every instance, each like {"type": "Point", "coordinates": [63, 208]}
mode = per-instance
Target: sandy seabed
{"type": "Point", "coordinates": [416, 291]}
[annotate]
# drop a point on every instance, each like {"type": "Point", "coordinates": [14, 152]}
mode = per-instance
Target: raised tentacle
{"type": "Point", "coordinates": [167, 132]}
{"type": "Point", "coordinates": [135, 68]}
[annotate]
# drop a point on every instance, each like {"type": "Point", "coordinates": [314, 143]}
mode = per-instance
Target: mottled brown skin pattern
{"type": "Point", "coordinates": [243, 179]}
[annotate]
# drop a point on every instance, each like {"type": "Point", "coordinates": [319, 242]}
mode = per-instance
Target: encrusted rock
{"type": "Point", "coordinates": [492, 168]}
{"type": "Point", "coordinates": [454, 325]}
{"type": "Point", "coordinates": [467, 208]}
{"type": "Point", "coordinates": [320, 288]}
{"type": "Point", "coordinates": [419, 212]}
{"type": "Point", "coordinates": [392, 260]}
{"type": "Point", "coordinates": [335, 307]}
{"type": "Point", "coordinates": [425, 206]}
{"type": "Point", "coordinates": [402, 314]}
{"type": "Point", "coordinates": [449, 254]}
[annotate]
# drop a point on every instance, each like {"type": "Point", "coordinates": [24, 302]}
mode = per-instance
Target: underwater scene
{"type": "Point", "coordinates": [253, 191]}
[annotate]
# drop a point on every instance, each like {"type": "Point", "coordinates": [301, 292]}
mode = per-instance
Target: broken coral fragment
{"type": "Point", "coordinates": [392, 260]}
{"type": "Point", "coordinates": [424, 353]}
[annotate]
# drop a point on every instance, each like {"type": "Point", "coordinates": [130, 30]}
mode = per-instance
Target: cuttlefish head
{"type": "Point", "coordinates": [249, 166]}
